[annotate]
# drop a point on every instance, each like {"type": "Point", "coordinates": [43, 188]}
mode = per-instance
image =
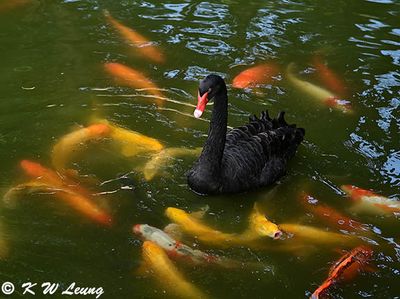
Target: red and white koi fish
{"type": "Point", "coordinates": [328, 77]}
{"type": "Point", "coordinates": [345, 269]}
{"type": "Point", "coordinates": [74, 195]}
{"type": "Point", "coordinates": [133, 38]}
{"type": "Point", "coordinates": [318, 93]}
{"type": "Point", "coordinates": [369, 201]}
{"type": "Point", "coordinates": [259, 74]}
{"type": "Point", "coordinates": [176, 249]}
{"type": "Point", "coordinates": [329, 214]}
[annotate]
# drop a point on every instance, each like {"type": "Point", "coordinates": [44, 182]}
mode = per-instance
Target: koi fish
{"type": "Point", "coordinates": [329, 214]}
{"type": "Point", "coordinates": [316, 235]}
{"type": "Point", "coordinates": [69, 143]}
{"type": "Point", "coordinates": [11, 4]}
{"type": "Point", "coordinates": [133, 38]}
{"type": "Point", "coordinates": [261, 226]}
{"type": "Point", "coordinates": [132, 142]}
{"type": "Point", "coordinates": [133, 78]}
{"type": "Point", "coordinates": [370, 201]}
{"type": "Point", "coordinates": [192, 225]}
{"type": "Point", "coordinates": [73, 195]}
{"type": "Point", "coordinates": [346, 268]}
{"type": "Point", "coordinates": [259, 74]}
{"type": "Point", "coordinates": [167, 274]}
{"type": "Point", "coordinates": [159, 160]}
{"type": "Point", "coordinates": [328, 77]}
{"type": "Point", "coordinates": [176, 249]}
{"type": "Point", "coordinates": [316, 92]}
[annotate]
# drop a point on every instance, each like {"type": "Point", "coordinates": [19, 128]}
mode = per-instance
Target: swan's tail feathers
{"type": "Point", "coordinates": [281, 119]}
{"type": "Point", "coordinates": [253, 118]}
{"type": "Point", "coordinates": [265, 116]}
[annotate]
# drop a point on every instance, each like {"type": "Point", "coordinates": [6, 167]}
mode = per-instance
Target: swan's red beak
{"type": "Point", "coordinates": [201, 104]}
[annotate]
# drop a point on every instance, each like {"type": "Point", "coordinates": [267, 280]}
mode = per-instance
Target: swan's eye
{"type": "Point", "coordinates": [209, 90]}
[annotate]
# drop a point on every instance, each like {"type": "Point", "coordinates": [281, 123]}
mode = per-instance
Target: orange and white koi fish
{"type": "Point", "coordinates": [369, 201]}
{"type": "Point", "coordinates": [135, 79]}
{"type": "Point", "coordinates": [329, 214]}
{"type": "Point", "coordinates": [345, 269]}
{"type": "Point", "coordinates": [259, 74]}
{"type": "Point", "coordinates": [73, 195]}
{"type": "Point", "coordinates": [316, 92]}
{"type": "Point", "coordinates": [168, 276]}
{"type": "Point", "coordinates": [133, 38]}
{"type": "Point", "coordinates": [70, 143]}
{"type": "Point", "coordinates": [328, 77]}
{"type": "Point", "coordinates": [316, 235]}
{"type": "Point", "coordinates": [176, 249]}
{"type": "Point", "coordinates": [161, 159]}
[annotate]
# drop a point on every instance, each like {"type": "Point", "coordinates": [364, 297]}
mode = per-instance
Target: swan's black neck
{"type": "Point", "coordinates": [211, 156]}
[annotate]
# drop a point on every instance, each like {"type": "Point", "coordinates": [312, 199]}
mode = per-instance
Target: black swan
{"type": "Point", "coordinates": [243, 158]}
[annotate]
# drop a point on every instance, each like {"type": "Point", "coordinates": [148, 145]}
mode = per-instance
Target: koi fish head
{"type": "Point", "coordinates": [138, 229]}
{"type": "Point", "coordinates": [343, 105]}
{"type": "Point", "coordinates": [176, 215]}
{"type": "Point", "coordinates": [262, 226]}
{"type": "Point", "coordinates": [98, 129]}
{"type": "Point", "coordinates": [151, 250]}
{"type": "Point", "coordinates": [209, 87]}
{"type": "Point", "coordinates": [354, 192]}
{"type": "Point", "coordinates": [32, 168]}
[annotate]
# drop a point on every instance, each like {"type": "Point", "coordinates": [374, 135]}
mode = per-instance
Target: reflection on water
{"type": "Point", "coordinates": [52, 81]}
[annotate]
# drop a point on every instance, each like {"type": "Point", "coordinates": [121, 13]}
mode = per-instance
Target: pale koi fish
{"type": "Point", "coordinates": [316, 92]}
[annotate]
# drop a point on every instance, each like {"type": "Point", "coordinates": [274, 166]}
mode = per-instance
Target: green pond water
{"type": "Point", "coordinates": [52, 81]}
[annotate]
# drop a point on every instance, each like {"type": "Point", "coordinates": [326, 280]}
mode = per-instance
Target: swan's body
{"type": "Point", "coordinates": [246, 157]}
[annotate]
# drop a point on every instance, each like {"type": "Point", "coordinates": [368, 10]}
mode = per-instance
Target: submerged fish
{"type": "Point", "coordinates": [142, 44]}
{"type": "Point", "coordinates": [316, 92]}
{"type": "Point", "coordinates": [369, 201]}
{"type": "Point", "coordinates": [259, 74]}
{"type": "Point", "coordinates": [132, 142]}
{"type": "Point", "coordinates": [70, 143]}
{"type": "Point", "coordinates": [161, 159]}
{"type": "Point", "coordinates": [133, 78]}
{"type": "Point", "coordinates": [176, 249]}
{"type": "Point", "coordinates": [328, 77]}
{"type": "Point", "coordinates": [7, 5]}
{"type": "Point", "coordinates": [346, 268]}
{"type": "Point", "coordinates": [168, 276]}
{"type": "Point", "coordinates": [73, 195]}
{"type": "Point", "coordinates": [330, 215]}
{"type": "Point", "coordinates": [316, 235]}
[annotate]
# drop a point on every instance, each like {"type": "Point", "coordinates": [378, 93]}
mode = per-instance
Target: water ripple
{"type": "Point", "coordinates": [209, 46]}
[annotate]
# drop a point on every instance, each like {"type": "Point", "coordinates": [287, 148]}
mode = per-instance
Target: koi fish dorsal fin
{"type": "Point", "coordinates": [200, 213]}
{"type": "Point", "coordinates": [174, 231]}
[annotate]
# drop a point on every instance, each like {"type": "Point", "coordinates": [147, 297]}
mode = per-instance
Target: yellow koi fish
{"type": "Point", "coordinates": [161, 159]}
{"type": "Point", "coordinates": [260, 226]}
{"type": "Point", "coordinates": [70, 143]}
{"type": "Point", "coordinates": [320, 94]}
{"type": "Point", "coordinates": [133, 143]}
{"type": "Point", "coordinates": [316, 235]}
{"type": "Point", "coordinates": [167, 274]}
{"type": "Point", "coordinates": [135, 39]}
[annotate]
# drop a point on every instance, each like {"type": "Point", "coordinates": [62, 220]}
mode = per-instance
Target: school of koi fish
{"type": "Point", "coordinates": [163, 249]}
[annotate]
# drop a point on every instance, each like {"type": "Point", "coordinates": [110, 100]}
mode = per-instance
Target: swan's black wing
{"type": "Point", "coordinates": [256, 154]}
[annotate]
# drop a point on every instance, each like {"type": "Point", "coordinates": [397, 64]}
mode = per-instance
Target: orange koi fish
{"type": "Point", "coordinates": [318, 93]}
{"type": "Point", "coordinates": [73, 195]}
{"type": "Point", "coordinates": [69, 143]}
{"type": "Point", "coordinates": [329, 214]}
{"type": "Point", "coordinates": [132, 78]}
{"type": "Point", "coordinates": [143, 45]}
{"type": "Point", "coordinates": [259, 74]}
{"type": "Point", "coordinates": [328, 77]}
{"type": "Point", "coordinates": [168, 276]}
{"type": "Point", "coordinates": [370, 201]}
{"type": "Point", "coordinates": [346, 268]}
{"type": "Point", "coordinates": [7, 5]}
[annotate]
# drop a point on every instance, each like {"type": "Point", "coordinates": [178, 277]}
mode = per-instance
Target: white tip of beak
{"type": "Point", "coordinates": [197, 113]}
